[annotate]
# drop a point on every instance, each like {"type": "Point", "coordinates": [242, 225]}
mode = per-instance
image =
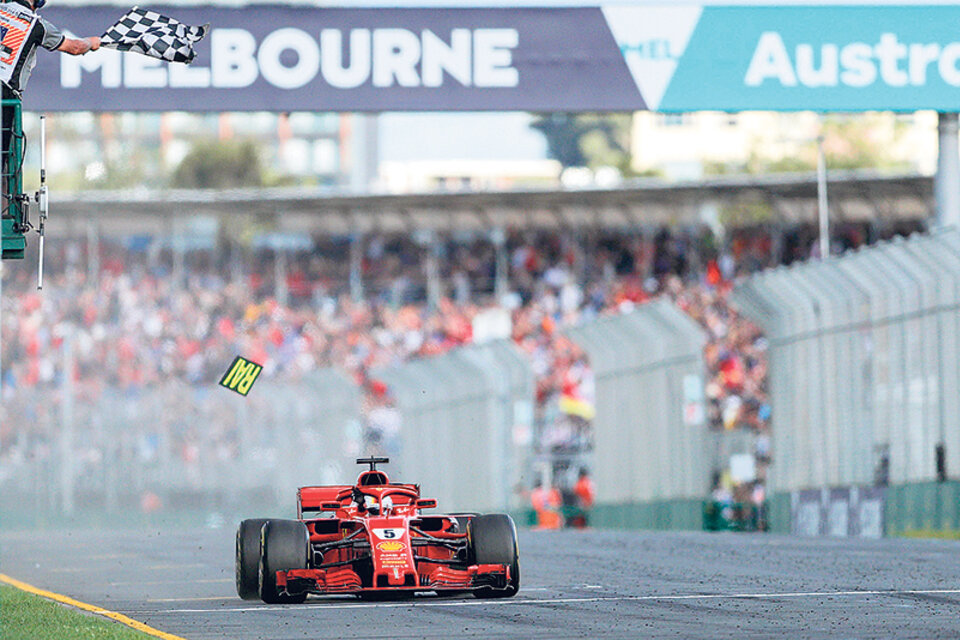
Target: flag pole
{"type": "Point", "coordinates": [42, 198]}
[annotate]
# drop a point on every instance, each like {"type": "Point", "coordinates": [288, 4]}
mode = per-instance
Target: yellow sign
{"type": "Point", "coordinates": [241, 375]}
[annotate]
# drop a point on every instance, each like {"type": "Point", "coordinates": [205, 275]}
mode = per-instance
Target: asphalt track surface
{"type": "Point", "coordinates": [576, 584]}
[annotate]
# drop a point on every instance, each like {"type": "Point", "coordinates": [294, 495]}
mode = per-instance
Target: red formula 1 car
{"type": "Point", "coordinates": [373, 539]}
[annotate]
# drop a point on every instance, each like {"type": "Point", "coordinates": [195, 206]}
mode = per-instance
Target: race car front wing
{"type": "Point", "coordinates": [344, 579]}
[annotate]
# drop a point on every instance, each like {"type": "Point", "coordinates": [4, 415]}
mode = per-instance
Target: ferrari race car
{"type": "Point", "coordinates": [372, 539]}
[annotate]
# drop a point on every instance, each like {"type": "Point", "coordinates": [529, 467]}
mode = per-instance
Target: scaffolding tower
{"type": "Point", "coordinates": [14, 216]}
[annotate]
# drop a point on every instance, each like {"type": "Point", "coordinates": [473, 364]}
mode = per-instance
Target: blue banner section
{"type": "Point", "coordinates": [284, 58]}
{"type": "Point", "coordinates": [827, 58]}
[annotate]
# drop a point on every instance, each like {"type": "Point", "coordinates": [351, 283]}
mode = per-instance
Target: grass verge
{"type": "Point", "coordinates": [27, 617]}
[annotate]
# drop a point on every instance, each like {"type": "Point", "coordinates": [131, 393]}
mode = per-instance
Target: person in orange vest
{"type": "Point", "coordinates": [586, 494]}
{"type": "Point", "coordinates": [546, 503]}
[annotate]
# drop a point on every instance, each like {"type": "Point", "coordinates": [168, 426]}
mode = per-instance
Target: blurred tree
{"type": "Point", "coordinates": [587, 139]}
{"type": "Point", "coordinates": [861, 141]}
{"type": "Point", "coordinates": [220, 164]}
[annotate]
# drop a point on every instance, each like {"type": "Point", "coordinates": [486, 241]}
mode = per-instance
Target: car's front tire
{"type": "Point", "coordinates": [284, 545]}
{"type": "Point", "coordinates": [248, 558]}
{"type": "Point", "coordinates": [492, 539]}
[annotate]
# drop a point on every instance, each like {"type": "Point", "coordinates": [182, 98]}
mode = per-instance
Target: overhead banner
{"type": "Point", "coordinates": [283, 58]}
{"type": "Point", "coordinates": [618, 58]}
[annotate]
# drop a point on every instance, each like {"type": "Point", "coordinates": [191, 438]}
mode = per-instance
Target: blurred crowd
{"type": "Point", "coordinates": [138, 316]}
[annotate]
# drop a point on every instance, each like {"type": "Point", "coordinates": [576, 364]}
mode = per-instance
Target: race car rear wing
{"type": "Point", "coordinates": [313, 498]}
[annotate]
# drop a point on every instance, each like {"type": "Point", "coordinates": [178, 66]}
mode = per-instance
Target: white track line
{"type": "Point", "coordinates": [541, 601]}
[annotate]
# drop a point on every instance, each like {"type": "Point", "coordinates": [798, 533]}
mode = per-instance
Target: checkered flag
{"type": "Point", "coordinates": [154, 35]}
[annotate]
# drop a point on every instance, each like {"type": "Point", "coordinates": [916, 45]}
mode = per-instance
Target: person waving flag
{"type": "Point", "coordinates": [154, 35]}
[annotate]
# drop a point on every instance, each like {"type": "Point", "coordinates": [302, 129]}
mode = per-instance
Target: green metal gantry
{"type": "Point", "coordinates": [13, 219]}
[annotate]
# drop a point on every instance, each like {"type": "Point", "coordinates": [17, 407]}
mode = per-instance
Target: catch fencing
{"type": "Point", "coordinates": [651, 442]}
{"type": "Point", "coordinates": [466, 419]}
{"type": "Point", "coordinates": [465, 425]}
{"type": "Point", "coordinates": [78, 452]}
{"type": "Point", "coordinates": [864, 365]}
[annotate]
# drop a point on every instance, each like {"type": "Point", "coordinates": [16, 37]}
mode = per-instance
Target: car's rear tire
{"type": "Point", "coordinates": [248, 558]}
{"type": "Point", "coordinates": [284, 545]}
{"type": "Point", "coordinates": [492, 539]}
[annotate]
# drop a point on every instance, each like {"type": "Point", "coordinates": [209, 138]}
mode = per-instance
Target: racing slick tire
{"type": "Point", "coordinates": [492, 539]}
{"type": "Point", "coordinates": [284, 545]}
{"type": "Point", "coordinates": [248, 558]}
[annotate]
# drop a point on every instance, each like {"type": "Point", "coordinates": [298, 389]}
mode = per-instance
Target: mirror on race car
{"type": "Point", "coordinates": [330, 506]}
{"type": "Point", "coordinates": [426, 503]}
